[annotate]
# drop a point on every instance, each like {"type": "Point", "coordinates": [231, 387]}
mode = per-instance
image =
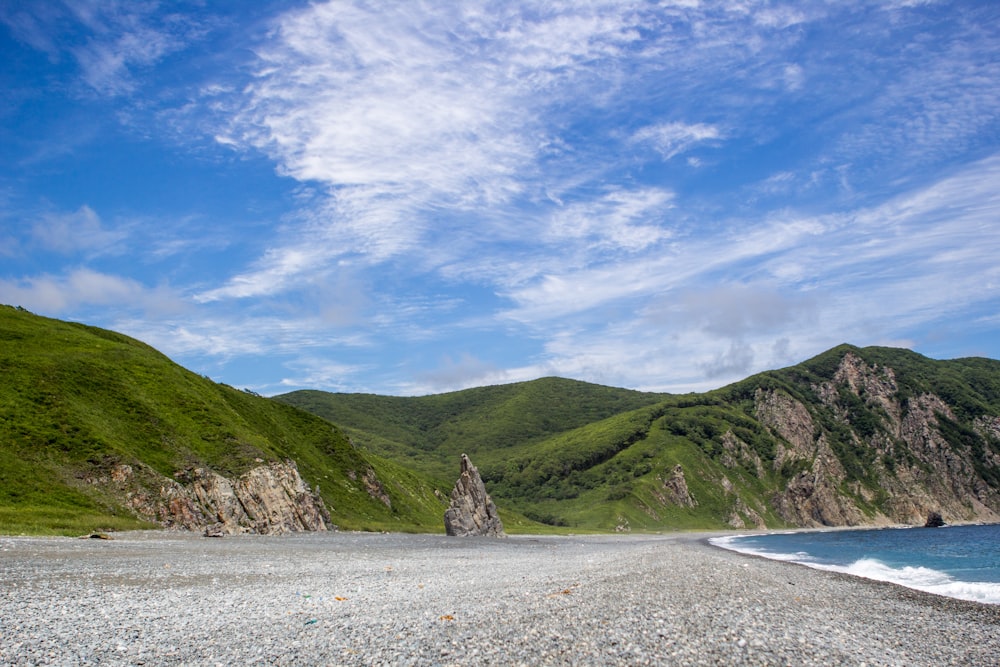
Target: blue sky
{"type": "Point", "coordinates": [417, 197]}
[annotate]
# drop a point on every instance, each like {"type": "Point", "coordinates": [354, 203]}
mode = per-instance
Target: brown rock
{"type": "Point", "coordinates": [677, 489]}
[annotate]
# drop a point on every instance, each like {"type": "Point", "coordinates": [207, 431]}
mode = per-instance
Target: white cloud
{"type": "Point", "coordinates": [765, 293]}
{"type": "Point", "coordinates": [279, 268]}
{"type": "Point", "coordinates": [207, 332]}
{"type": "Point", "coordinates": [674, 138]}
{"type": "Point", "coordinates": [108, 39]}
{"type": "Point", "coordinates": [409, 115]}
{"type": "Point", "coordinates": [322, 373]}
{"type": "Point", "coordinates": [938, 104]}
{"type": "Point", "coordinates": [779, 17]}
{"type": "Point", "coordinates": [733, 311]}
{"type": "Point", "coordinates": [529, 169]}
{"type": "Point", "coordinates": [84, 287]}
{"type": "Point", "coordinates": [79, 231]}
{"type": "Point", "coordinates": [463, 371]}
{"type": "Point", "coordinates": [795, 77]}
{"type": "Point", "coordinates": [621, 219]}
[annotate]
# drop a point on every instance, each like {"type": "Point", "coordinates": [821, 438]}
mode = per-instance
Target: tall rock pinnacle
{"type": "Point", "coordinates": [471, 511]}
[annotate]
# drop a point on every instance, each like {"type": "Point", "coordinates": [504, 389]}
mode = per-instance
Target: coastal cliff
{"type": "Point", "coordinates": [909, 465]}
{"type": "Point", "coordinates": [101, 432]}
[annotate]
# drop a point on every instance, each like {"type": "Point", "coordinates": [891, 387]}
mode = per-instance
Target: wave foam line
{"type": "Point", "coordinates": [921, 579]}
{"type": "Point", "coordinates": [918, 578]}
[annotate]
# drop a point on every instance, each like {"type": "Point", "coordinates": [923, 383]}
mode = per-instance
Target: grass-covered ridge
{"type": "Point", "coordinates": [583, 456]}
{"type": "Point", "coordinates": [429, 433]}
{"type": "Point", "coordinates": [76, 399]}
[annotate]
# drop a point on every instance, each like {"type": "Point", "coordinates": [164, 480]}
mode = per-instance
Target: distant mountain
{"type": "Point", "coordinates": [99, 431]}
{"type": "Point", "coordinates": [851, 437]}
{"type": "Point", "coordinates": [430, 433]}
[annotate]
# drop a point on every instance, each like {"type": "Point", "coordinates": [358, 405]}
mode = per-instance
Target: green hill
{"type": "Point", "coordinates": [851, 437]}
{"type": "Point", "coordinates": [430, 433]}
{"type": "Point", "coordinates": [99, 431]}
{"type": "Point", "coordinates": [77, 401]}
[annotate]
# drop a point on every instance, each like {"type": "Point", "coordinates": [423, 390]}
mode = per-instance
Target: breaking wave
{"type": "Point", "coordinates": [916, 577]}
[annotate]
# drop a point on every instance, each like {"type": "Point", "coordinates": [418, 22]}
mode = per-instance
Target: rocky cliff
{"type": "Point", "coordinates": [903, 465]}
{"type": "Point", "coordinates": [268, 499]}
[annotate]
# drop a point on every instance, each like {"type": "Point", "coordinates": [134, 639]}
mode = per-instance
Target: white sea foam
{"type": "Point", "coordinates": [921, 579]}
{"type": "Point", "coordinates": [731, 542]}
{"type": "Point", "coordinates": [918, 578]}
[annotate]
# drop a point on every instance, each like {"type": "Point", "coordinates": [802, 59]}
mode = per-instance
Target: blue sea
{"type": "Point", "coordinates": [955, 561]}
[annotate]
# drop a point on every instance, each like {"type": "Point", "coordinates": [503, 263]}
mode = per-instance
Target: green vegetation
{"type": "Point", "coordinates": [430, 433]}
{"type": "Point", "coordinates": [584, 457]}
{"type": "Point", "coordinates": [76, 400]}
{"type": "Point", "coordinates": [556, 454]}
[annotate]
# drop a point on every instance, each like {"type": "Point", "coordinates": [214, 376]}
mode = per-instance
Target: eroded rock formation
{"type": "Point", "coordinates": [915, 468]}
{"type": "Point", "coordinates": [677, 489]}
{"type": "Point", "coordinates": [268, 499]}
{"type": "Point", "coordinates": [471, 511]}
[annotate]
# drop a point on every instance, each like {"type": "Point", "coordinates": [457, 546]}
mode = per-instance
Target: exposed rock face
{"type": "Point", "coordinates": [741, 514]}
{"type": "Point", "coordinates": [738, 453]}
{"type": "Point", "coordinates": [914, 468]}
{"type": "Point", "coordinates": [812, 497]}
{"type": "Point", "coordinates": [268, 500]}
{"type": "Point", "coordinates": [375, 489]}
{"type": "Point", "coordinates": [471, 511]}
{"type": "Point", "coordinates": [677, 490]}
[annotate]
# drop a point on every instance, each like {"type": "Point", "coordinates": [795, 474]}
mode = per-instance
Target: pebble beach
{"type": "Point", "coordinates": [161, 598]}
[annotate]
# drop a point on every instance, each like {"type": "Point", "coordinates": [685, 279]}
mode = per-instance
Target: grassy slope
{"type": "Point", "coordinates": [602, 465]}
{"type": "Point", "coordinates": [429, 433]}
{"type": "Point", "coordinates": [76, 399]}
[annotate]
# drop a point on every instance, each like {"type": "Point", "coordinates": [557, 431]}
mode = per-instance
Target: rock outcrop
{"type": "Point", "coordinates": [268, 499]}
{"type": "Point", "coordinates": [471, 511]}
{"type": "Point", "coordinates": [812, 496]}
{"type": "Point", "coordinates": [898, 445]}
{"type": "Point", "coordinates": [677, 489]}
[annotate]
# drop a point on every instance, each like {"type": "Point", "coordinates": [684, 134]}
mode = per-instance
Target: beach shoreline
{"type": "Point", "coordinates": [362, 598]}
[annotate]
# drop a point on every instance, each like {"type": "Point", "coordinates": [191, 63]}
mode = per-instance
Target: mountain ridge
{"type": "Point", "coordinates": [97, 429]}
{"type": "Point", "coordinates": [841, 439]}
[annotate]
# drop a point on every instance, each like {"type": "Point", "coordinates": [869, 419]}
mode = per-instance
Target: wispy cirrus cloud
{"type": "Point", "coordinates": [432, 113]}
{"type": "Point", "coordinates": [78, 231]}
{"type": "Point", "coordinates": [108, 40]}
{"type": "Point", "coordinates": [777, 291]}
{"type": "Point", "coordinates": [673, 138]}
{"type": "Point", "coordinates": [441, 143]}
{"type": "Point", "coordinates": [661, 195]}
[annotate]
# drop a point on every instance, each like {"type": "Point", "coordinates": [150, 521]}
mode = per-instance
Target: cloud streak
{"type": "Point", "coordinates": [424, 121]}
{"type": "Point", "coordinates": [658, 195]}
{"type": "Point", "coordinates": [85, 287]}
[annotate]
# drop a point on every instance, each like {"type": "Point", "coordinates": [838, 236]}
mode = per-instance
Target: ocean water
{"type": "Point", "coordinates": [955, 561]}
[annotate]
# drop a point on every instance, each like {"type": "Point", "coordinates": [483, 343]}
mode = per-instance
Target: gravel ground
{"type": "Point", "coordinates": [367, 599]}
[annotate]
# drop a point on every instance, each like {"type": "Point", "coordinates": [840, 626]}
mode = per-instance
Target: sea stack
{"type": "Point", "coordinates": [471, 511]}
